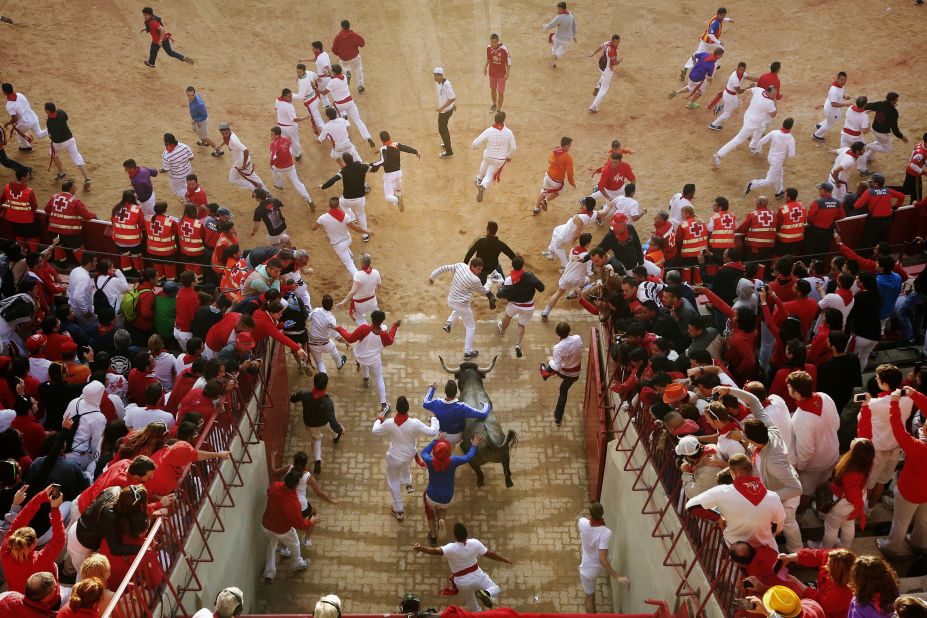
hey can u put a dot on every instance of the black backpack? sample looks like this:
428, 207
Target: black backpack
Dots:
99, 297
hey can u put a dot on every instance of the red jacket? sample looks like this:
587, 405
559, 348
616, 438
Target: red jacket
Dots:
265, 326
879, 202
870, 265
819, 350
116, 475
187, 303
835, 599
33, 434
217, 337
15, 605
182, 386
196, 401
613, 178
41, 559
84, 612
346, 44
283, 511
911, 480
138, 382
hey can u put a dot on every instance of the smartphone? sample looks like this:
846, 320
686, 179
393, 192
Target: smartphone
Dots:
748, 585
776, 567
859, 397
56, 491
742, 604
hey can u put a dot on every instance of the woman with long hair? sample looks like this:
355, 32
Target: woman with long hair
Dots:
849, 485
795, 360
97, 565
113, 437
128, 231
19, 553
116, 513
55, 395
148, 441
112, 282
85, 600
834, 566
875, 588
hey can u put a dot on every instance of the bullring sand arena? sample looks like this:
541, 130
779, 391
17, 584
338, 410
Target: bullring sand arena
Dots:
87, 57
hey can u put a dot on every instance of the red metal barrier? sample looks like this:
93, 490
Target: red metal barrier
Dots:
94, 234
595, 417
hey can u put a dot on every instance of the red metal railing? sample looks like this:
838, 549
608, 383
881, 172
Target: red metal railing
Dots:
148, 582
596, 410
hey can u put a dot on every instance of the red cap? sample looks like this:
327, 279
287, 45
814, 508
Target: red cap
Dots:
35, 342
68, 347
619, 219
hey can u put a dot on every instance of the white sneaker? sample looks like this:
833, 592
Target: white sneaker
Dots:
284, 552
717, 160
307, 542
301, 567
548, 254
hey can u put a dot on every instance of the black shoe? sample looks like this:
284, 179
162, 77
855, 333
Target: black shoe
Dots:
299, 158
492, 108
518, 352
337, 438
433, 540
780, 195
317, 468
483, 597
370, 141
344, 359
747, 190
471, 354
26, 149
447, 327
492, 300
366, 382
361, 89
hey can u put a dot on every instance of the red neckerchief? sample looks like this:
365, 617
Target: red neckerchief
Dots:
857, 109
846, 295
282, 99
317, 53
516, 275
751, 488
855, 155
558, 151
836, 84
786, 131
341, 76
337, 213
53, 114
883, 394
11, 97
733, 425
498, 125
813, 404
578, 250
225, 140
133, 173
318, 394
740, 74
389, 143
766, 94
170, 147
595, 523
710, 58
566, 12
367, 269
401, 417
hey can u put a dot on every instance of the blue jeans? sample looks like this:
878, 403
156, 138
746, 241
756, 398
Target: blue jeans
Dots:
909, 310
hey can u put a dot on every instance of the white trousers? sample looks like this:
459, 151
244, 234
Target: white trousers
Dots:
343, 251
864, 347
77, 552
398, 474
608, 195
488, 168
847, 140
374, 367
604, 82
749, 130
790, 526
468, 585
70, 147
882, 143
836, 522
463, 312
774, 176
290, 540
355, 67
550, 188
730, 103
182, 338
250, 181
179, 186
392, 186
315, 114
904, 514
831, 119
292, 132
36, 129
362, 311
148, 205
318, 353
558, 244
357, 205
289, 173
348, 148
349, 110
558, 48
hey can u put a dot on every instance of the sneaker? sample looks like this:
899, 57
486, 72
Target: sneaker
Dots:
717, 159
361, 89
447, 327
348, 75
479, 193
366, 382
499, 327
337, 438
817, 126
25, 149
536, 211
301, 567
385, 408
60, 177
188, 60
401, 204
714, 127
217, 153
780, 195
471, 354
365, 237
483, 597
442, 529
545, 313
148, 64
268, 581
344, 359
366, 188
87, 183
284, 552
492, 108
548, 254
446, 155
371, 142
298, 157
816, 138
317, 468
673, 94
307, 542
593, 110
682, 74
865, 173
518, 353
433, 540
718, 108
693, 105
572, 295
749, 187
410, 488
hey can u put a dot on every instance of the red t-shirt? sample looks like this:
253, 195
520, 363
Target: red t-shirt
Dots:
33, 434
498, 60
138, 382
198, 196
116, 475
154, 29
196, 401
171, 463
347, 44
280, 156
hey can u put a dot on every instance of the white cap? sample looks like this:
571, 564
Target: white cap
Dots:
438, 71
688, 446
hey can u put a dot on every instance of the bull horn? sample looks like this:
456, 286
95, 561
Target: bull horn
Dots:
488, 369
443, 366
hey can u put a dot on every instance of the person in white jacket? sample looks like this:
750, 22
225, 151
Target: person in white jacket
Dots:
500, 146
781, 145
85, 413
814, 433
112, 283
402, 431
778, 412
889, 378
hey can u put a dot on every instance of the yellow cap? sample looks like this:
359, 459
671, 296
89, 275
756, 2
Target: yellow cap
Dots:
783, 601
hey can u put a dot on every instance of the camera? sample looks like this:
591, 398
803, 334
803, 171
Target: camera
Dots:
859, 397
742, 604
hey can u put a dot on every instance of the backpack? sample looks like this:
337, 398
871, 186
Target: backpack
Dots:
16, 308
99, 297
129, 304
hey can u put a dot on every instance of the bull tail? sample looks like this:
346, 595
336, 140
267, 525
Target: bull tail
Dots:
511, 439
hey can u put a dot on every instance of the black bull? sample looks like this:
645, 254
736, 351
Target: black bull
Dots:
497, 444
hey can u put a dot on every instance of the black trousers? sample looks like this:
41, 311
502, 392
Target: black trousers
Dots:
817, 241
874, 232
443, 118
913, 186
5, 161
153, 54
562, 399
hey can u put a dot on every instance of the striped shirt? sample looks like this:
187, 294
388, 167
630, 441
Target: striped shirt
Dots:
321, 325
177, 162
464, 285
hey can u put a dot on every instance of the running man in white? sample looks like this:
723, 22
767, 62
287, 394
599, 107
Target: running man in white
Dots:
362, 298
402, 431
242, 173
595, 538
576, 273
287, 120
832, 104
730, 96
472, 583
22, 118
369, 340
709, 40
625, 204
336, 132
323, 69
307, 94
761, 110
846, 162
465, 283
563, 36
566, 234
855, 125
322, 324
608, 61
392, 172
500, 146
176, 161
341, 96
519, 289
282, 166
338, 224
781, 145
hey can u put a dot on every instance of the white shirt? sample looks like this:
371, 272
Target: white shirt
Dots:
182, 361
855, 121
138, 417
286, 113
569, 231
177, 162
336, 131
834, 95
337, 231
733, 83
366, 283
22, 110
462, 555
844, 162
780, 416
815, 436
238, 150
760, 109
203, 613
593, 539
445, 93
338, 89
323, 65
835, 301
165, 369
300, 490
745, 522
576, 271
321, 324
568, 356
500, 143
80, 291
114, 288
882, 437
402, 437
305, 89
781, 144
626, 205
464, 284
676, 204
38, 368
